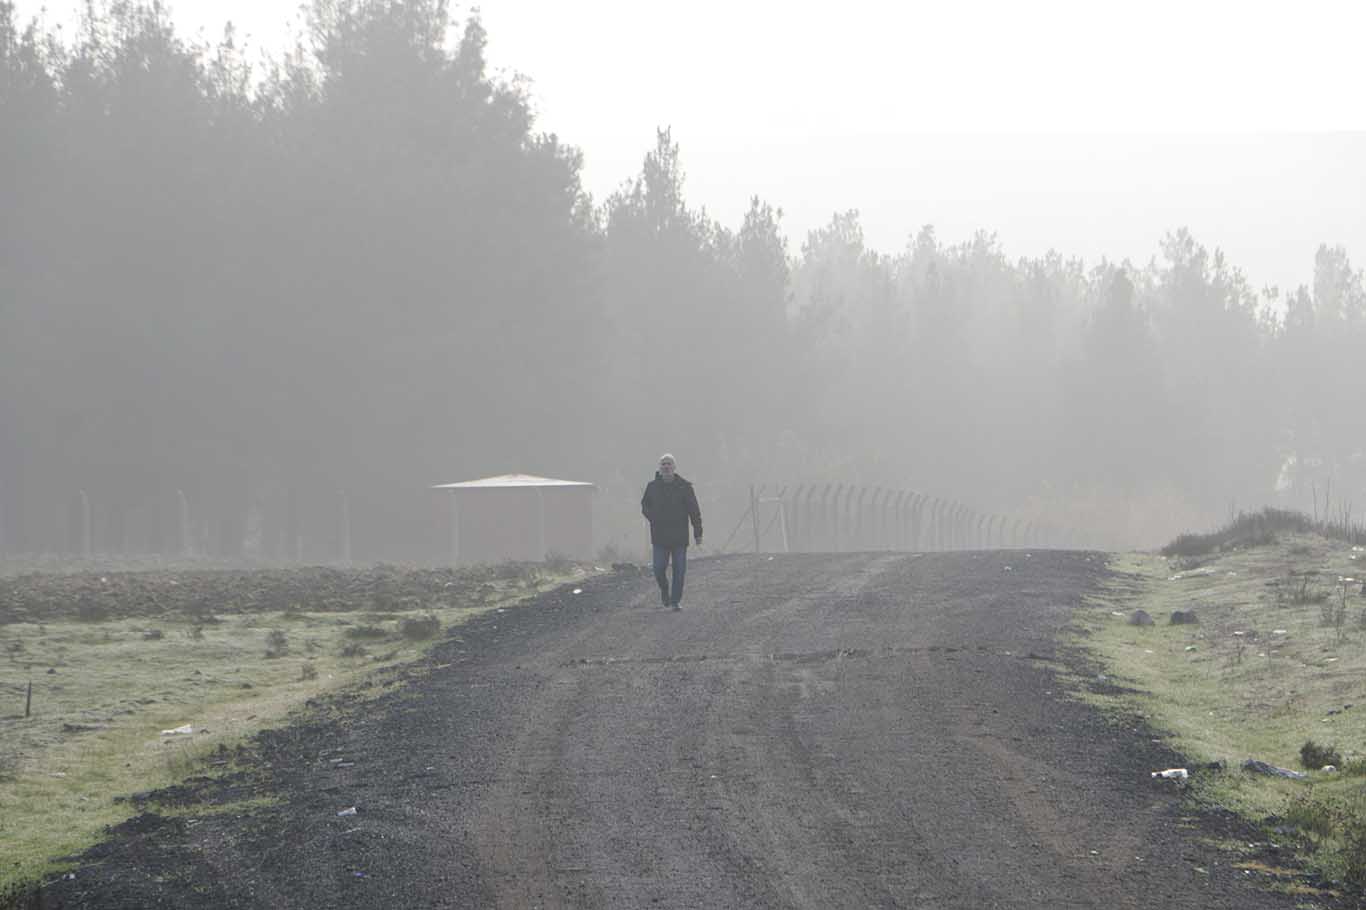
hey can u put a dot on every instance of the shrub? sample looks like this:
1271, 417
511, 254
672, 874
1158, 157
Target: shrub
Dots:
558, 562
1248, 529
366, 633
1253, 529
1315, 756
1354, 853
418, 628
92, 611
353, 649
307, 672
277, 644
1314, 816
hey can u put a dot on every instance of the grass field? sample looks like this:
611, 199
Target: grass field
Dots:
106, 685
1276, 660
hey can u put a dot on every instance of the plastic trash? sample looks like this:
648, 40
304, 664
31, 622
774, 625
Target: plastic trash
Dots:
577, 591
186, 730
344, 812
1172, 774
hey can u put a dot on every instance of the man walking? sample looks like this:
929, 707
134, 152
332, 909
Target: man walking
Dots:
668, 505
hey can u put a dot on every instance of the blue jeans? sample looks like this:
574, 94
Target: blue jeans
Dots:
679, 555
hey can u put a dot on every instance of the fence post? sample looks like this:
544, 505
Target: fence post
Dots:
782, 520
85, 525
835, 510
899, 522
884, 539
824, 511
754, 515
809, 521
870, 523
184, 505
346, 528
912, 504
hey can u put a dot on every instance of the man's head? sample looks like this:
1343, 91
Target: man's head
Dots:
667, 465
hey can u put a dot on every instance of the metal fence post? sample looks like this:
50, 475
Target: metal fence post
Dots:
346, 528
754, 515
85, 526
184, 505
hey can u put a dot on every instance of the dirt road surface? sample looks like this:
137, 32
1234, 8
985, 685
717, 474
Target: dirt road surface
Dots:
857, 730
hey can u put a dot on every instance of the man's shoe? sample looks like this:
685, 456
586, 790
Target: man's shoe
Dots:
664, 598
676, 605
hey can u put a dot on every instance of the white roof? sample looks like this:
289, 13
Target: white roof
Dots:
510, 480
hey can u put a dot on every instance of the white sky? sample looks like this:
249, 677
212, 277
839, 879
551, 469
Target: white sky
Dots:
1087, 127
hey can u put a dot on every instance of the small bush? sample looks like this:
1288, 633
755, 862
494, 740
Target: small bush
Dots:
1317, 817
366, 633
307, 672
1248, 529
195, 632
92, 611
353, 649
1303, 588
1354, 853
419, 628
1315, 756
1353, 767
9, 766
558, 562
277, 644
611, 553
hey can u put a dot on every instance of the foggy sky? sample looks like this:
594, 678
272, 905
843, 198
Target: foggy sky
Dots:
1058, 126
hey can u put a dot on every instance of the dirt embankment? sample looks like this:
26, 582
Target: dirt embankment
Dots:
97, 596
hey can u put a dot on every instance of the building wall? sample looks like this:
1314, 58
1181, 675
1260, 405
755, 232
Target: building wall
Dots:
501, 524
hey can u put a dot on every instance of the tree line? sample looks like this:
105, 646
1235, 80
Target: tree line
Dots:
360, 266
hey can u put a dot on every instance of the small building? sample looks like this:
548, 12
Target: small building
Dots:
519, 517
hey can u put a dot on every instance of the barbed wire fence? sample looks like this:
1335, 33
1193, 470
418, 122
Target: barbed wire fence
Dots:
838, 517
765, 518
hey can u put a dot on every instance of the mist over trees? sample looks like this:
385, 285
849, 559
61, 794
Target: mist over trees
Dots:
363, 269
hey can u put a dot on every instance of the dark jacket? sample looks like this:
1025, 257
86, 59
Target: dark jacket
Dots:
669, 507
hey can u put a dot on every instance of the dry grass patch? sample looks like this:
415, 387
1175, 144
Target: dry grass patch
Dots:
103, 692
1266, 670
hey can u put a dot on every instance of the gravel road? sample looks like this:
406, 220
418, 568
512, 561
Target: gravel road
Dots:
853, 730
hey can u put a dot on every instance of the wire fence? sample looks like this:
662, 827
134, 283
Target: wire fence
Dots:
835, 517
338, 529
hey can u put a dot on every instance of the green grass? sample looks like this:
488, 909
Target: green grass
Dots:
1267, 669
104, 691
